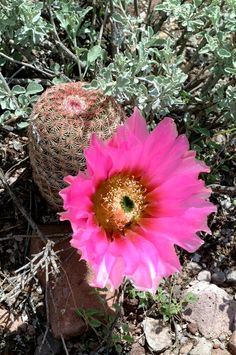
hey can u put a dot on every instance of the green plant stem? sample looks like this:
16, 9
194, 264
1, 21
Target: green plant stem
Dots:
103, 23
159, 24
136, 9
62, 46
114, 48
211, 82
190, 86
149, 13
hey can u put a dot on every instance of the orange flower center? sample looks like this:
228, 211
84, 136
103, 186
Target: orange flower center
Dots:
119, 203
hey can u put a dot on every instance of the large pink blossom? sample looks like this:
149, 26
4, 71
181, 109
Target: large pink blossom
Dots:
139, 197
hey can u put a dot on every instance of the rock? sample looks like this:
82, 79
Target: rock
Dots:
183, 340
214, 312
9, 322
231, 277
141, 340
186, 348
196, 257
203, 347
218, 278
220, 352
222, 346
168, 352
70, 290
193, 267
192, 328
137, 349
157, 334
204, 275
216, 344
232, 343
222, 336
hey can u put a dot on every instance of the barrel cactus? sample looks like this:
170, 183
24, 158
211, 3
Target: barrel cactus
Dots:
62, 122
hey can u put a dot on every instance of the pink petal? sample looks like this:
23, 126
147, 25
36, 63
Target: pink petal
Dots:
163, 252
92, 242
80, 189
126, 248
138, 125
117, 273
163, 165
102, 272
98, 159
134, 131
177, 194
161, 139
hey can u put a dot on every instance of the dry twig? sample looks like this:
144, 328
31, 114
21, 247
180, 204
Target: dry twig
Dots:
47, 72
22, 209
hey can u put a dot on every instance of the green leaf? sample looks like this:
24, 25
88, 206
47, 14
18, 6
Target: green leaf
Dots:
34, 88
59, 80
223, 53
203, 131
128, 338
230, 70
118, 348
94, 53
22, 125
95, 323
118, 18
197, 2
17, 89
212, 42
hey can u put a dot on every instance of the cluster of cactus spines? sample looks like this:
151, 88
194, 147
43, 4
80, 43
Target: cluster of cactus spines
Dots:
61, 125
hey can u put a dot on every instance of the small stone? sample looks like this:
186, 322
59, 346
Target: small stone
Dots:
196, 257
214, 311
193, 267
204, 346
204, 275
228, 204
222, 346
186, 348
220, 352
157, 334
142, 340
8, 323
183, 340
137, 349
216, 344
232, 343
231, 277
222, 337
218, 278
192, 328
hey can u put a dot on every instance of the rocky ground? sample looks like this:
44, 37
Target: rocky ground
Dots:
37, 317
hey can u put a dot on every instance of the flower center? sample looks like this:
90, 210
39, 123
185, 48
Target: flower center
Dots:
74, 104
119, 203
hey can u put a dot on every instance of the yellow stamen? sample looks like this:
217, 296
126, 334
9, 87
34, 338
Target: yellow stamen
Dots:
119, 203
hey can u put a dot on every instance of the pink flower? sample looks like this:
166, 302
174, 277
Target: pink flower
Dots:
139, 197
